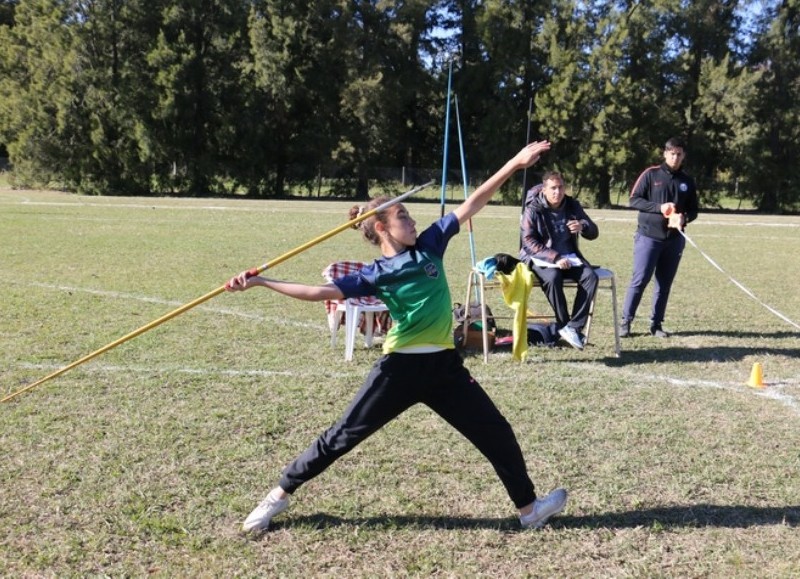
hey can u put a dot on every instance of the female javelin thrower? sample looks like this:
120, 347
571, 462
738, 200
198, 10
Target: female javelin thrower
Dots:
419, 363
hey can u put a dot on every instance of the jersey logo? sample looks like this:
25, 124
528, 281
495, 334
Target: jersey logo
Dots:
683, 187
431, 270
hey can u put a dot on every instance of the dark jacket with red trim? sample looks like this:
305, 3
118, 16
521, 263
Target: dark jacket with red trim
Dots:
654, 187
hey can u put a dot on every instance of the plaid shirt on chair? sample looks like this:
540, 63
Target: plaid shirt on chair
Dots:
341, 268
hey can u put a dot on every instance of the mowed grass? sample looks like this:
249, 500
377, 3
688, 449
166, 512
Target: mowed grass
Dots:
145, 460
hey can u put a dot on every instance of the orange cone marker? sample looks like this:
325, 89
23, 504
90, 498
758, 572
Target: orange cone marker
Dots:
756, 376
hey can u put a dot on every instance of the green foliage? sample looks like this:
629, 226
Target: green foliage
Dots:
292, 105
261, 98
7, 9
726, 108
117, 94
591, 101
196, 85
36, 58
774, 182
512, 69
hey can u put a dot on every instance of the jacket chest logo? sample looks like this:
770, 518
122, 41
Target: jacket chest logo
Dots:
431, 270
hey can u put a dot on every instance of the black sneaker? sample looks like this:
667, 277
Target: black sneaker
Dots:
625, 330
658, 332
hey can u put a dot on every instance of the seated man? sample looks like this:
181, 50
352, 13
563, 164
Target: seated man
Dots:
550, 226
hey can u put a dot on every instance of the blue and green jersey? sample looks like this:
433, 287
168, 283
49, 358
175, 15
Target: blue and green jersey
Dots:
413, 286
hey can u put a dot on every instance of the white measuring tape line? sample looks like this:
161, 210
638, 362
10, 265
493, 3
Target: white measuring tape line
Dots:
737, 284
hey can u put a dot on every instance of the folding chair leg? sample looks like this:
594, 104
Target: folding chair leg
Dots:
588, 325
613, 288
467, 312
470, 281
484, 320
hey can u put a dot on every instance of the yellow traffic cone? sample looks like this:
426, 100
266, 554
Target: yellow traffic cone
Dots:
756, 376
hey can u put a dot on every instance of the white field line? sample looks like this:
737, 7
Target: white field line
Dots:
772, 391
630, 216
160, 301
184, 370
243, 206
105, 368
706, 222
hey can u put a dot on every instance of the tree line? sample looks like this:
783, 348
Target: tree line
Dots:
265, 97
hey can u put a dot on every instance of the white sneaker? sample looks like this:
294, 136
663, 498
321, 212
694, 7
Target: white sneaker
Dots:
571, 336
259, 519
545, 508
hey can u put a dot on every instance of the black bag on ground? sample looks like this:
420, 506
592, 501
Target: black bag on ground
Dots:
543, 334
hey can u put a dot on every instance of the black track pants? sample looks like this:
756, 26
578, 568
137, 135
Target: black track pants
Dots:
438, 380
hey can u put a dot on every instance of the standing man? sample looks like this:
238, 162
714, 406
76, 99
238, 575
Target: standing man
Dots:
550, 228
666, 198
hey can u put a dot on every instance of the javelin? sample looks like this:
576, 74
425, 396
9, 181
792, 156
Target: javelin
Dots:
250, 273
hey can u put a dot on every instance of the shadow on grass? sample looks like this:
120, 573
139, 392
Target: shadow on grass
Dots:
736, 335
692, 516
668, 354
702, 515
711, 354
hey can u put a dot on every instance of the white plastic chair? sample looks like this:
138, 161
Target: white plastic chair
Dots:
352, 309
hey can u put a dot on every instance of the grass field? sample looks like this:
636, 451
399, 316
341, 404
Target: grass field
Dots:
146, 460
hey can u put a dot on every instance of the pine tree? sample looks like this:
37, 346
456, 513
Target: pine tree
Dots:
114, 96
7, 9
724, 113
36, 57
513, 69
773, 181
196, 87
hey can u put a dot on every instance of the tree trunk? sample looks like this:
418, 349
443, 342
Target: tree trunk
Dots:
603, 196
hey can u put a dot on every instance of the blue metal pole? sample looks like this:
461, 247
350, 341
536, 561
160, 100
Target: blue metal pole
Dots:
446, 139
